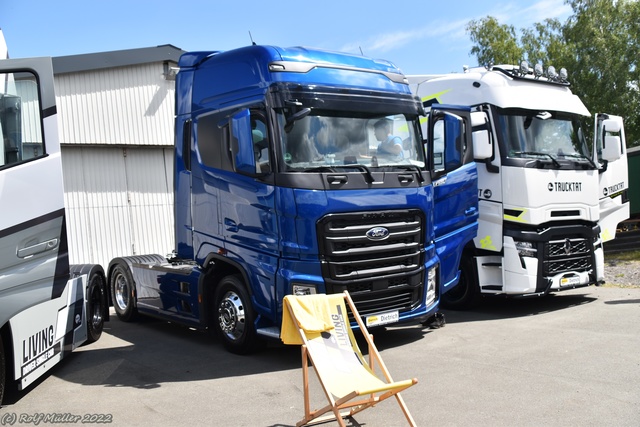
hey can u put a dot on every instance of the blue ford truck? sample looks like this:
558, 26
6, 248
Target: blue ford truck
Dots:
304, 171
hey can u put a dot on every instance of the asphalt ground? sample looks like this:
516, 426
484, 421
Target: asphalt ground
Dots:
570, 359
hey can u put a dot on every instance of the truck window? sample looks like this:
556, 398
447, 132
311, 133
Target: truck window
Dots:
260, 135
447, 158
209, 140
20, 121
438, 145
325, 138
213, 150
532, 134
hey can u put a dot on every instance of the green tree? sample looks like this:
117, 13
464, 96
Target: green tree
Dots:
599, 45
604, 38
544, 43
494, 43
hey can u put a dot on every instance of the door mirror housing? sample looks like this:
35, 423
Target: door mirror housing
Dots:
243, 155
482, 146
612, 146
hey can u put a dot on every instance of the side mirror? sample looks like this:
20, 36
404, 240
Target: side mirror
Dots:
610, 125
482, 147
298, 115
243, 155
611, 147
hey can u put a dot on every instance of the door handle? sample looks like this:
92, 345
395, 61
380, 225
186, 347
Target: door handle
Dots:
37, 248
405, 178
470, 211
337, 179
231, 225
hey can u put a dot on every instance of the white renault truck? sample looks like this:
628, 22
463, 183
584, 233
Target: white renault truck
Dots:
548, 199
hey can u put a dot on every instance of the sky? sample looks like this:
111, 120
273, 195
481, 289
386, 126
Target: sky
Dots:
421, 37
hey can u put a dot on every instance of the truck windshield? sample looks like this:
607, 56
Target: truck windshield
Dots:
326, 139
543, 135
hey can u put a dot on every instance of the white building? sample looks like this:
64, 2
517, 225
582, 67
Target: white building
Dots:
116, 114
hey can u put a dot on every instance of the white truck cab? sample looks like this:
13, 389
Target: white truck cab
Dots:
548, 199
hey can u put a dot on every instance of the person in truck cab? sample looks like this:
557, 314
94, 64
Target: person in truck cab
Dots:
390, 146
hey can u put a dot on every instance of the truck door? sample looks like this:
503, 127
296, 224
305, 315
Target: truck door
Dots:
247, 209
33, 248
455, 181
610, 153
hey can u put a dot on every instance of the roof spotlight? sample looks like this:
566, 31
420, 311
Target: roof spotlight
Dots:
551, 72
524, 67
563, 73
537, 70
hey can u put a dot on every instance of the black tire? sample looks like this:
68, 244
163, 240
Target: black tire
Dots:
436, 321
123, 293
233, 317
466, 294
96, 307
3, 367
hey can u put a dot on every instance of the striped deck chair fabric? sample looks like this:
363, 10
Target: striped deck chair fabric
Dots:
320, 324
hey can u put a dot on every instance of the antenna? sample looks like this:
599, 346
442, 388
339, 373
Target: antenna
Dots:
361, 52
252, 42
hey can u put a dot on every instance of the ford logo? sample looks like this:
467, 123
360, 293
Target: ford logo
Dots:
377, 233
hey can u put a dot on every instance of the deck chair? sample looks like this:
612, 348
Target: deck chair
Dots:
320, 324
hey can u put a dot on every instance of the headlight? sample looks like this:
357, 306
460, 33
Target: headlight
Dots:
597, 242
297, 289
432, 283
526, 249
431, 276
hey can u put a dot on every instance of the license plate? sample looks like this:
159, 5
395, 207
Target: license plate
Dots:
382, 318
570, 281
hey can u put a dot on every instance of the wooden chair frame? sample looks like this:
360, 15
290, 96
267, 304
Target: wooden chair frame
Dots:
357, 399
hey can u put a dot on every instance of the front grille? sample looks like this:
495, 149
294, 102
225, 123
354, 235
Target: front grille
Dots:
382, 272
568, 255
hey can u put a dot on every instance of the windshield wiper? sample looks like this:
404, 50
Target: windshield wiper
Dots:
581, 156
362, 168
320, 169
412, 168
538, 153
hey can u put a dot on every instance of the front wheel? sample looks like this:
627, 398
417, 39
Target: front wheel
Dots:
466, 294
96, 307
234, 317
123, 293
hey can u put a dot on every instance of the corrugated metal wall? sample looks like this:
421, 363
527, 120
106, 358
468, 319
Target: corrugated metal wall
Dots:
128, 105
119, 202
116, 129
28, 90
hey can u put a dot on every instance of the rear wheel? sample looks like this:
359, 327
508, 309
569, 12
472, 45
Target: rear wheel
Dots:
234, 317
466, 294
123, 293
96, 307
